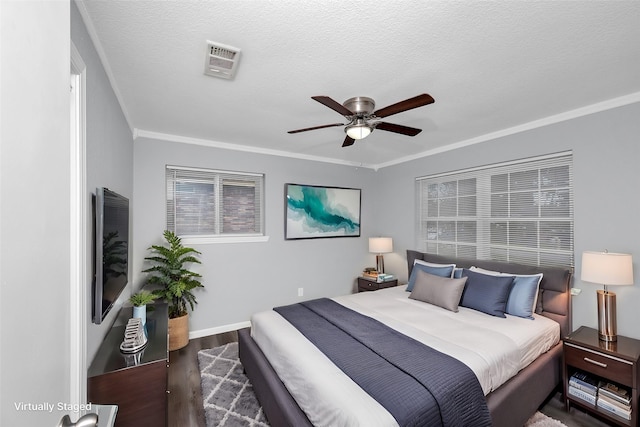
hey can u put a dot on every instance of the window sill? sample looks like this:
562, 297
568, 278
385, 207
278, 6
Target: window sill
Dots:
192, 240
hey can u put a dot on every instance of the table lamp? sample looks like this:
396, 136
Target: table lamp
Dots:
607, 268
379, 246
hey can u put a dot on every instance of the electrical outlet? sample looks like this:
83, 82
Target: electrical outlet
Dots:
300, 292
575, 291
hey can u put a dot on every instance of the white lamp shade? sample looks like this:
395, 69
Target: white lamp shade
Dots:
380, 245
607, 268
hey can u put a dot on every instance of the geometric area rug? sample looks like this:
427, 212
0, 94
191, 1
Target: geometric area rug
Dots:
227, 394
229, 400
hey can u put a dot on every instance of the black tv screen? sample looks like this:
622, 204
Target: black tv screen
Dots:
111, 261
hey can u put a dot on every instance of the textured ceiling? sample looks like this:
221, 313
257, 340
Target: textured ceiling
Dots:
492, 67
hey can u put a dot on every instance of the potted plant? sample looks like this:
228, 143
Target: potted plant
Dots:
140, 301
176, 283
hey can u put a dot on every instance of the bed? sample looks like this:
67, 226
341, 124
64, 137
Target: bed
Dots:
510, 404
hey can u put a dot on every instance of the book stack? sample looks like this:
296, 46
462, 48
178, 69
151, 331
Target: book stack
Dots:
382, 277
583, 387
614, 399
370, 273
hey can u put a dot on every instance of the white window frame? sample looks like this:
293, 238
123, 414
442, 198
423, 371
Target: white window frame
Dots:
216, 178
457, 220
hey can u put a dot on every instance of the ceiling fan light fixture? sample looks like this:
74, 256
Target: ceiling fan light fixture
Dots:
362, 119
359, 130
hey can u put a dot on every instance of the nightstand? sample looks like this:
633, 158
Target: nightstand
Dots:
615, 362
365, 284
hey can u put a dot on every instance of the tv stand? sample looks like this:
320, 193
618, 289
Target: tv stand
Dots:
136, 382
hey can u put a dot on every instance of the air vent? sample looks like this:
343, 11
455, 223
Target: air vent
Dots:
221, 60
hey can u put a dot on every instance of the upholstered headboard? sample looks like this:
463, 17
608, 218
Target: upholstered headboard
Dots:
555, 287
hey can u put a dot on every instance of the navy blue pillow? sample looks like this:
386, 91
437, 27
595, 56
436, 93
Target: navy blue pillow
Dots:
488, 294
442, 270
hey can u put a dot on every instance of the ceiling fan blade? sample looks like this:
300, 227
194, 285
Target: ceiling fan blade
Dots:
348, 141
334, 105
407, 104
316, 127
391, 127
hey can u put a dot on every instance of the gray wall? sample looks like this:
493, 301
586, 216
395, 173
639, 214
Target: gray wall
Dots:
109, 156
242, 278
606, 175
34, 210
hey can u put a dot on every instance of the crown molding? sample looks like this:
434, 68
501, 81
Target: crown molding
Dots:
558, 118
141, 133
93, 35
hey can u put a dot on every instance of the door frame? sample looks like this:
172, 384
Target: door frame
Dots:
78, 232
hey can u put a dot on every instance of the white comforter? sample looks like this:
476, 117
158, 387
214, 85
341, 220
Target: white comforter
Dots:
494, 348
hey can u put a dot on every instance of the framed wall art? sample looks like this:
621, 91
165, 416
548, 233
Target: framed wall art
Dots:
313, 211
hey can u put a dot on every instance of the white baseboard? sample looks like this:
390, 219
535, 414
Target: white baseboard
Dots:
218, 330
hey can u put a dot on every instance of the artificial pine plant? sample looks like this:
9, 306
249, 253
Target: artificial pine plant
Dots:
142, 298
169, 271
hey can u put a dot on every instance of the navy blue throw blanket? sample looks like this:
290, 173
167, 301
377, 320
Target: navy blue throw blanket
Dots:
418, 385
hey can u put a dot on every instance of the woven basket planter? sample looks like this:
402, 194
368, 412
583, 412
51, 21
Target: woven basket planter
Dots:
178, 332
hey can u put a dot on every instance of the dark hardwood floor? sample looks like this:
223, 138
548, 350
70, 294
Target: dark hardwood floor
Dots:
185, 399
554, 408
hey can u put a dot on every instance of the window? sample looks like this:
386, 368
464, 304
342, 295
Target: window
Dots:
520, 211
211, 203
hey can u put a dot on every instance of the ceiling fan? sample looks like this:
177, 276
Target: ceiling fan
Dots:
362, 119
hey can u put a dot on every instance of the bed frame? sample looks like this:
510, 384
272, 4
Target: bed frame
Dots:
510, 405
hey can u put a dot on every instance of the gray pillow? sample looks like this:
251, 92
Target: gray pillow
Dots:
441, 291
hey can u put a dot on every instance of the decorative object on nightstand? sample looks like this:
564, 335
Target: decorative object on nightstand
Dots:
607, 268
602, 376
379, 246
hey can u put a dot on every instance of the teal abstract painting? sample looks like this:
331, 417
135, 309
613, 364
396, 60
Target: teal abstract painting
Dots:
314, 211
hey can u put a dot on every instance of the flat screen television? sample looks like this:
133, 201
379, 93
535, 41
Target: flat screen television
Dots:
111, 260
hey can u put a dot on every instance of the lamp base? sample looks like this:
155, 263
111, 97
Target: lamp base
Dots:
607, 328
379, 263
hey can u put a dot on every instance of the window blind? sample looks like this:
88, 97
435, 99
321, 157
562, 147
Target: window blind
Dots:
203, 202
520, 211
